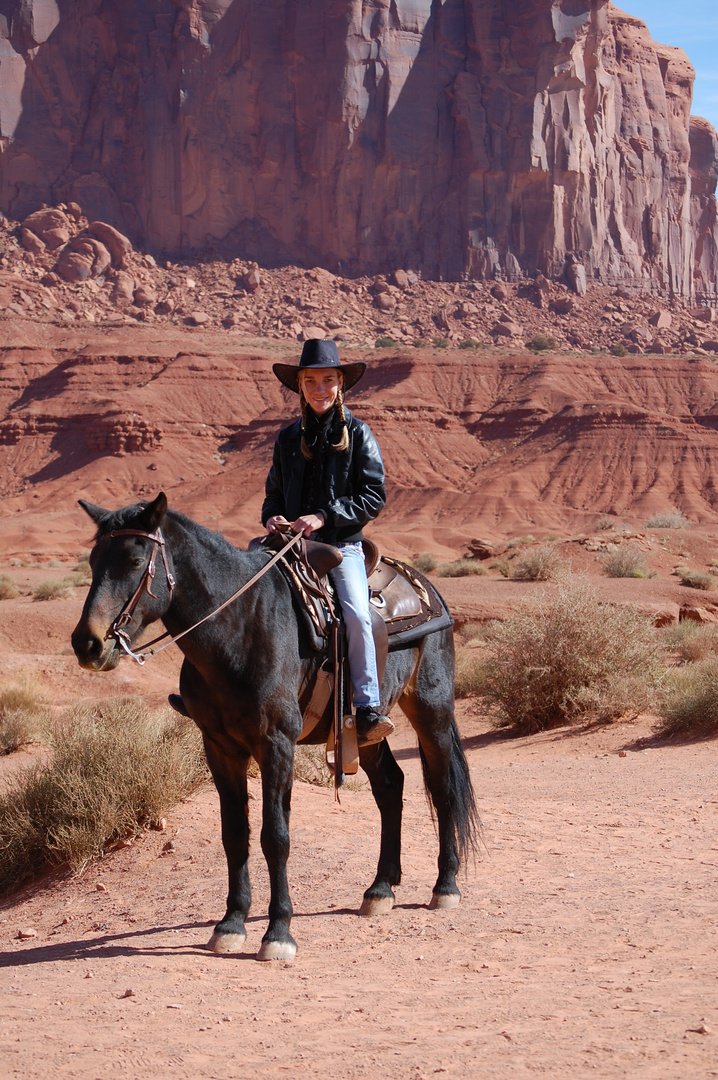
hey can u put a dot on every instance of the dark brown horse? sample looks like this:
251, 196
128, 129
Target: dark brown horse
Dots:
245, 679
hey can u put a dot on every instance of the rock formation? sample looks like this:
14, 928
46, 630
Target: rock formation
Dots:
454, 137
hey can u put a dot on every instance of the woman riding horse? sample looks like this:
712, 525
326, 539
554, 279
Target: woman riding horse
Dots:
327, 480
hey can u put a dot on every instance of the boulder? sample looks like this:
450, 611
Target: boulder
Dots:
51, 226
123, 292
385, 301
698, 614
562, 305
145, 296
116, 243
481, 549
251, 280
83, 258
400, 279
506, 329
662, 320
31, 242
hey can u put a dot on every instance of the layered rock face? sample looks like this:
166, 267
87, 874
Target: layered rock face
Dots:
452, 137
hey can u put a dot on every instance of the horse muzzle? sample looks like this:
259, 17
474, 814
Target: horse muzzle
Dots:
92, 651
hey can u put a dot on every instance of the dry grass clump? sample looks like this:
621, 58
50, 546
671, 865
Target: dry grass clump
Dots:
22, 715
673, 519
114, 768
52, 589
691, 706
624, 561
426, 562
695, 579
540, 564
568, 659
469, 673
692, 641
8, 588
462, 568
607, 523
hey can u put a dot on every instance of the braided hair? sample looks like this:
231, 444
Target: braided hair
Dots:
343, 444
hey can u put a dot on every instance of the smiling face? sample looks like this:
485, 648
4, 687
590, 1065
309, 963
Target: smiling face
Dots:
320, 387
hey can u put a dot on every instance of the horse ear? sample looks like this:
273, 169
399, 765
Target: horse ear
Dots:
154, 512
95, 512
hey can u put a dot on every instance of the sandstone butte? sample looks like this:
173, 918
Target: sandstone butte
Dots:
468, 137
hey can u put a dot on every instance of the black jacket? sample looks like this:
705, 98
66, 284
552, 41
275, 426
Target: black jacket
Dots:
353, 483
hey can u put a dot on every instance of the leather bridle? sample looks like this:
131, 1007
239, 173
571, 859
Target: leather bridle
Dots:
117, 630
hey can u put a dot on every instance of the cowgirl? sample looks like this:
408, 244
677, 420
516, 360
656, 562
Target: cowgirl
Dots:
327, 480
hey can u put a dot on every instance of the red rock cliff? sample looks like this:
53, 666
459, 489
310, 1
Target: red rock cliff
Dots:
452, 136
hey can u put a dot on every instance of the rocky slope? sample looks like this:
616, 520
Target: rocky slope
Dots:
483, 442
468, 137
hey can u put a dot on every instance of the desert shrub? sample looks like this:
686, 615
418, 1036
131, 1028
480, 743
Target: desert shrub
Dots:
618, 350
51, 590
440, 342
540, 564
672, 519
426, 562
477, 631
624, 561
22, 707
310, 766
502, 565
567, 659
605, 523
469, 673
540, 343
384, 343
691, 705
519, 541
695, 579
114, 768
419, 343
692, 641
8, 588
469, 343
462, 568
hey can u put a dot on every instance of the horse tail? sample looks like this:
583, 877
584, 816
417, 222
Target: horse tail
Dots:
460, 799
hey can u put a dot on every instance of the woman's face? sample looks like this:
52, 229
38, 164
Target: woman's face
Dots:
320, 387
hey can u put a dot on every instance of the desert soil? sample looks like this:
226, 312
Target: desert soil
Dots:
585, 944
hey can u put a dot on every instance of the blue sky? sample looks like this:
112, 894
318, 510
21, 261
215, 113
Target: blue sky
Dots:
692, 25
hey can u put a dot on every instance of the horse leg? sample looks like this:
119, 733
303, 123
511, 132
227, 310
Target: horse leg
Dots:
230, 778
387, 785
277, 767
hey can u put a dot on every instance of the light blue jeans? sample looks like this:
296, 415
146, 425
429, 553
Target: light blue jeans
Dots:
352, 589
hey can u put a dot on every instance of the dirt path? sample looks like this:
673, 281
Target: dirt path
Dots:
585, 945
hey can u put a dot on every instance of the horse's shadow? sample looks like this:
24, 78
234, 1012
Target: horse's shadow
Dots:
108, 947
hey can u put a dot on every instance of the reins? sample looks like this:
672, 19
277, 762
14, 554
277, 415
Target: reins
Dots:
117, 629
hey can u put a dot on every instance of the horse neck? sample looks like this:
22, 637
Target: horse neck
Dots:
206, 567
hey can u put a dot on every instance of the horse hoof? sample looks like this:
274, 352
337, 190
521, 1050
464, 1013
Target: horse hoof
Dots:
277, 950
444, 901
376, 905
226, 944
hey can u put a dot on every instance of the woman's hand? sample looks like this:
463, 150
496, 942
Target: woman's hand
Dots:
275, 523
308, 523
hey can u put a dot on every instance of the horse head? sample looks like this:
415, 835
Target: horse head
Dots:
126, 594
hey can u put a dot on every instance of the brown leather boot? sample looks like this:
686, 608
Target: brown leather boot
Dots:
372, 725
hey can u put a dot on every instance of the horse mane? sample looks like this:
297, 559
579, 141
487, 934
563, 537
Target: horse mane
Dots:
127, 518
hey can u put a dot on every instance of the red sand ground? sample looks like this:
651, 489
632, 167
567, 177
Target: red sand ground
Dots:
585, 944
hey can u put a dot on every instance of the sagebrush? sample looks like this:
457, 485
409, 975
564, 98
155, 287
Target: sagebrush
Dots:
692, 641
691, 706
462, 568
113, 768
695, 579
541, 563
568, 658
624, 561
671, 519
22, 715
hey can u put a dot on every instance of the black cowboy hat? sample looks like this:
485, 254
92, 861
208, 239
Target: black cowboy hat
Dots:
319, 353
